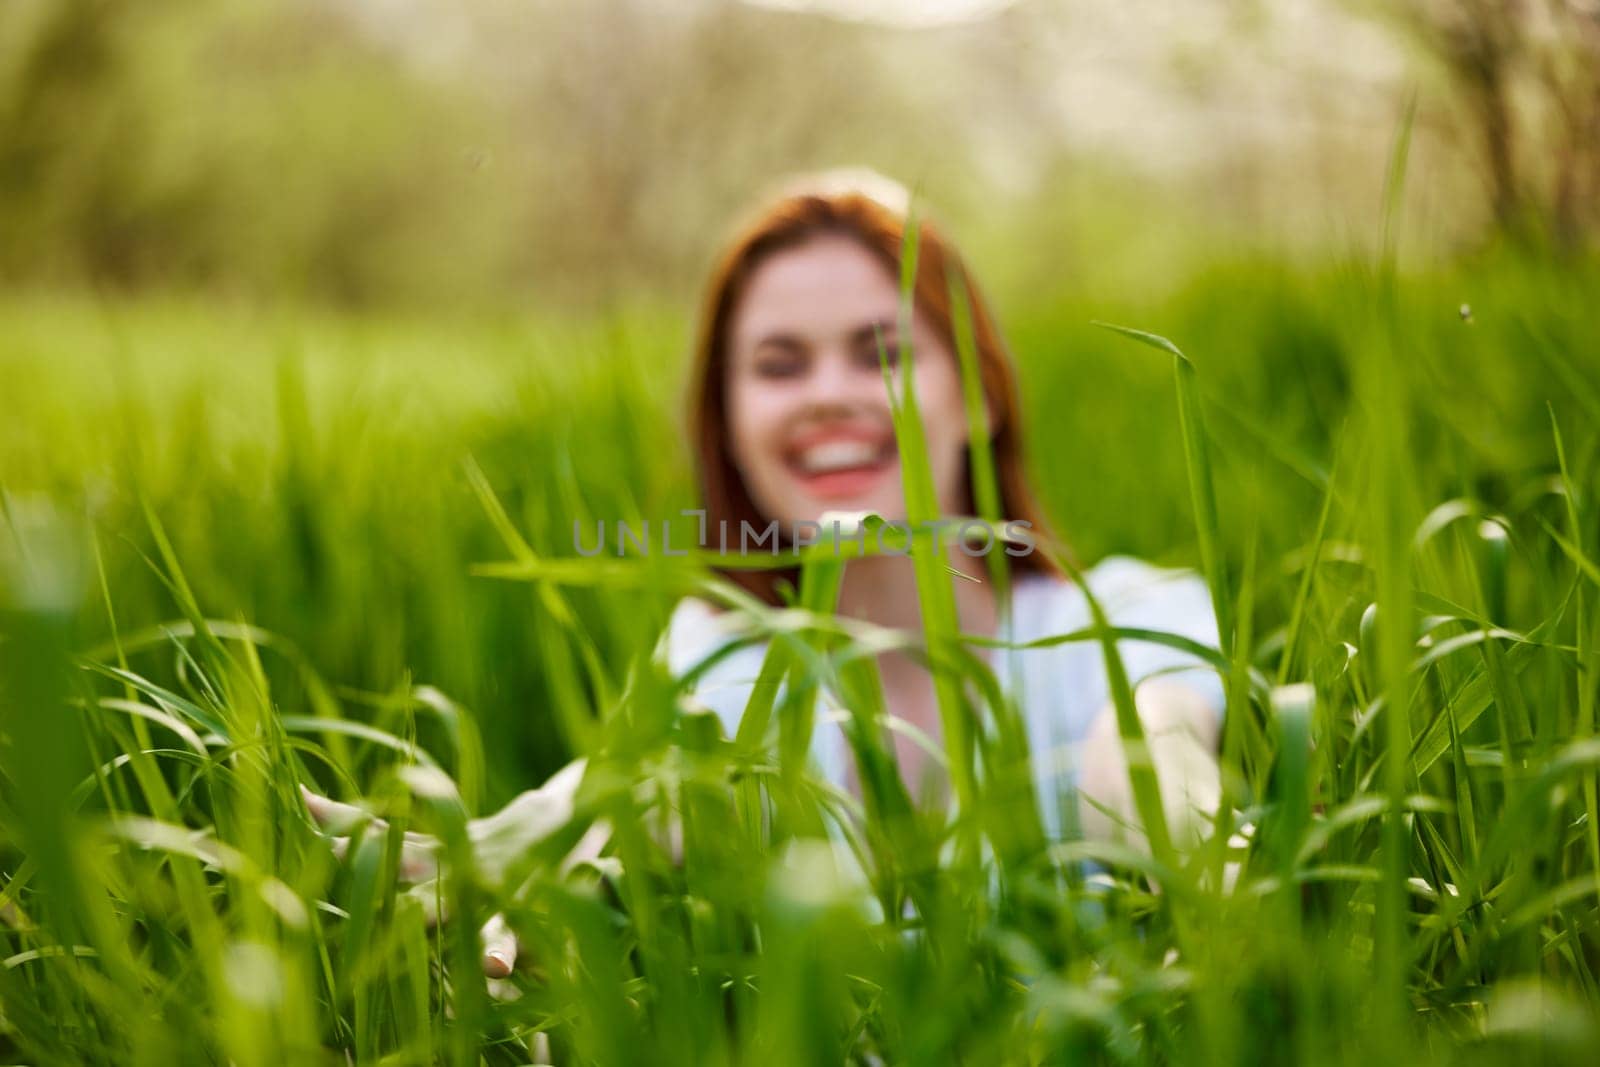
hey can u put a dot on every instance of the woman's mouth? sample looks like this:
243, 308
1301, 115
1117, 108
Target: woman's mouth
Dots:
842, 468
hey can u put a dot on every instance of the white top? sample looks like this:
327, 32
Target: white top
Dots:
1062, 686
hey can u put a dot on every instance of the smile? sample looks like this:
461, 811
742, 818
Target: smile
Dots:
840, 468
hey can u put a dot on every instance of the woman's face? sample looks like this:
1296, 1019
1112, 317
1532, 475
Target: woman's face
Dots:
808, 413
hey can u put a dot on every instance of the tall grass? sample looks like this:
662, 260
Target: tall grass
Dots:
325, 555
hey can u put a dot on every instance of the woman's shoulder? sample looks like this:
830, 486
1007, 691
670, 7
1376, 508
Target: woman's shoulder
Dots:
1138, 595
1129, 578
1119, 582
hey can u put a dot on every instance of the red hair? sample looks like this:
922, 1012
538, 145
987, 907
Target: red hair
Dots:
872, 210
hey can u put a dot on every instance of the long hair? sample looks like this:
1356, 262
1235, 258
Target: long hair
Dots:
870, 209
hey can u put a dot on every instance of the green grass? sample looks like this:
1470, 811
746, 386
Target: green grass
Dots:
248, 551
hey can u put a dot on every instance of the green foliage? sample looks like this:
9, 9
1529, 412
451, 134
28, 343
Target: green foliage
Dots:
245, 553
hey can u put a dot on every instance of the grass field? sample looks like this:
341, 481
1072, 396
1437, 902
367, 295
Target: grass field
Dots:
247, 550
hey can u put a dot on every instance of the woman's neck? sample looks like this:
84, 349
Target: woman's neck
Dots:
883, 590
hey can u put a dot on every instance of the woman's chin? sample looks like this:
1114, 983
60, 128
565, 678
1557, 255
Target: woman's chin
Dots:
825, 510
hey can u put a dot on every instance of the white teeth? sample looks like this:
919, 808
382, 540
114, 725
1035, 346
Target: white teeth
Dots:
837, 455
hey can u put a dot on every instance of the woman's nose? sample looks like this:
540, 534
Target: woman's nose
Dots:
838, 376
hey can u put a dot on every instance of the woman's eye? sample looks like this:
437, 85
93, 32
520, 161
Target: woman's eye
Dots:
891, 356
779, 367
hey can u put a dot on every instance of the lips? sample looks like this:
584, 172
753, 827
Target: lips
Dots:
830, 456
841, 464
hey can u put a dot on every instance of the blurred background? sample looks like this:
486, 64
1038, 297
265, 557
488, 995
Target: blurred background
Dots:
280, 270
496, 153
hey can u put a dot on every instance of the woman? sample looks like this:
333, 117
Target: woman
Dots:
790, 419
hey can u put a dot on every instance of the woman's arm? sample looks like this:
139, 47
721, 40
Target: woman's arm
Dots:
1180, 729
497, 841
1179, 698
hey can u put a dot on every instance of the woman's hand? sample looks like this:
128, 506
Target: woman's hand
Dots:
1180, 728
497, 841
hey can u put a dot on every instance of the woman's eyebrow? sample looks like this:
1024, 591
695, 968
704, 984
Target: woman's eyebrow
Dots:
787, 341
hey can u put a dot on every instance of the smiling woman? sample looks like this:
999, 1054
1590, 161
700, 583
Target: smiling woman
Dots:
791, 418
